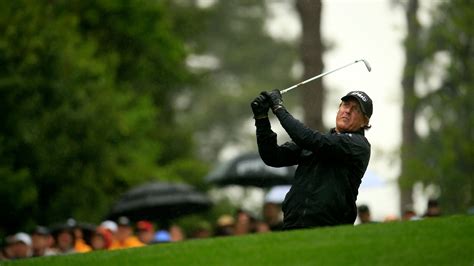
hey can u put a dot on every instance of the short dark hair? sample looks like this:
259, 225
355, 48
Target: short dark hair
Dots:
368, 126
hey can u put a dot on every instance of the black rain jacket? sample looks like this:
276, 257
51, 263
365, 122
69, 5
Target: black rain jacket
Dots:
328, 176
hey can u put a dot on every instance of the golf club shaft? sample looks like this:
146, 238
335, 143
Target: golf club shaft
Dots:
324, 74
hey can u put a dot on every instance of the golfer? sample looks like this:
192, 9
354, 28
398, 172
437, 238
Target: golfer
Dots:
330, 166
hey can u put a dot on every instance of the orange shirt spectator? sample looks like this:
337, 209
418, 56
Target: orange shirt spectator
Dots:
146, 231
80, 246
124, 237
129, 242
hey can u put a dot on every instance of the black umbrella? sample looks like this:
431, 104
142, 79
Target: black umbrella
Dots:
250, 170
160, 201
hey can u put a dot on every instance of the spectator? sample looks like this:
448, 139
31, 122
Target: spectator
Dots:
273, 216
162, 236
7, 252
65, 240
364, 214
40, 238
433, 209
101, 239
245, 223
225, 225
409, 214
390, 218
22, 246
80, 244
51, 243
261, 227
124, 237
111, 226
176, 233
146, 232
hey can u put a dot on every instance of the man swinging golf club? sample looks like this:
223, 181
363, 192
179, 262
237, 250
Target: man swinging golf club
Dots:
330, 166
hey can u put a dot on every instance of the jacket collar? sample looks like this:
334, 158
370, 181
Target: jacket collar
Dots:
360, 131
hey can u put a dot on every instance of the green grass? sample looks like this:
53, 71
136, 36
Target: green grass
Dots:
440, 241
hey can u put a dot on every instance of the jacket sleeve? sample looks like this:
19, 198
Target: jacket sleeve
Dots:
342, 146
271, 153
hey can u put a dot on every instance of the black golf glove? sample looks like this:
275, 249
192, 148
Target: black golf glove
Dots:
260, 107
275, 99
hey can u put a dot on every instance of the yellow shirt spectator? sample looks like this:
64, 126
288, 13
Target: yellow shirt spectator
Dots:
129, 242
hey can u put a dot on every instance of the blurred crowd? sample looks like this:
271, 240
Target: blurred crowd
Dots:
73, 237
408, 214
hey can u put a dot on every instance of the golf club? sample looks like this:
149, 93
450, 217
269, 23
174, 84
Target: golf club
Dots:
326, 73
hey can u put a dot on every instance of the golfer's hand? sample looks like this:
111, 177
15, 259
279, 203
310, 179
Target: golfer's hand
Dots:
275, 99
260, 107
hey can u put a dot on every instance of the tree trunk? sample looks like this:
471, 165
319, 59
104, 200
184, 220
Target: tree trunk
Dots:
409, 136
312, 94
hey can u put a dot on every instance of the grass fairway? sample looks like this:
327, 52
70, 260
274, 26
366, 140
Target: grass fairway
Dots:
440, 241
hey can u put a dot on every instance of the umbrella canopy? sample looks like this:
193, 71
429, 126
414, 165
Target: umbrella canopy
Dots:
250, 170
160, 200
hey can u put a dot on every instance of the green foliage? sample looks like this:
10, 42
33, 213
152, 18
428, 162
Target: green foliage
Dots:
445, 156
247, 60
17, 195
149, 58
85, 98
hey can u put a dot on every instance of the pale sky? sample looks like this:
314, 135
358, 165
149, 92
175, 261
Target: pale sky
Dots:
374, 31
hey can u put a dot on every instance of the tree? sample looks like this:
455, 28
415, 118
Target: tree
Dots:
311, 50
410, 101
149, 57
237, 59
444, 154
86, 91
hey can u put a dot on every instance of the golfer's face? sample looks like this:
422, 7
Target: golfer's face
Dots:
349, 116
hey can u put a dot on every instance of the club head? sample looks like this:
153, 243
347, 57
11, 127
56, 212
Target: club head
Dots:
366, 64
